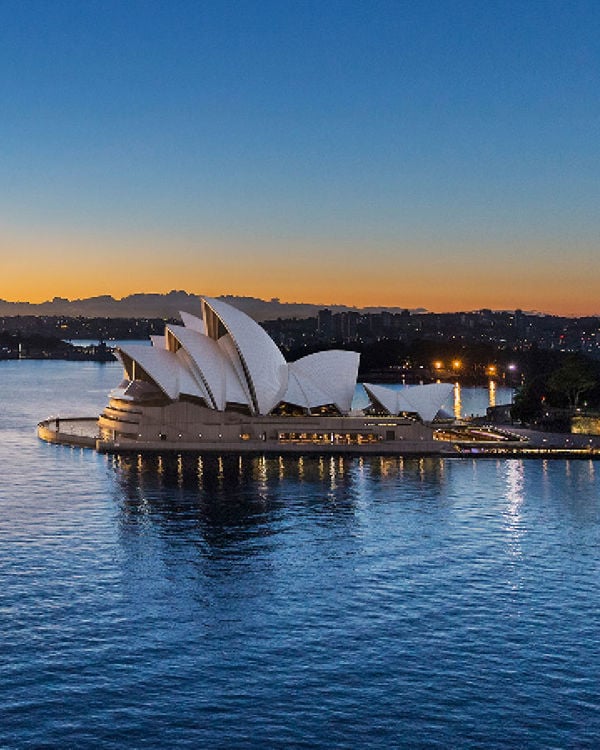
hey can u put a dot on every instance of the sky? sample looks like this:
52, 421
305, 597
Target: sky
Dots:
430, 154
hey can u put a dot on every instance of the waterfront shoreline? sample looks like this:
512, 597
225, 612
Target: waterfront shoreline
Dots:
82, 432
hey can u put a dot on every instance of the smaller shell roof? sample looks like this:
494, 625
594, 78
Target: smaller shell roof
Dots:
425, 400
163, 367
327, 377
428, 399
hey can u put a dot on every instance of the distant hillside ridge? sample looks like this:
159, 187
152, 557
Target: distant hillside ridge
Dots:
168, 306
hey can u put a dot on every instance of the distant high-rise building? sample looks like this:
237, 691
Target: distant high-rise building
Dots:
325, 324
349, 321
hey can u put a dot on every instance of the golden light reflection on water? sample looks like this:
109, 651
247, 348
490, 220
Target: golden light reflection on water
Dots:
492, 392
457, 401
332, 473
262, 477
179, 470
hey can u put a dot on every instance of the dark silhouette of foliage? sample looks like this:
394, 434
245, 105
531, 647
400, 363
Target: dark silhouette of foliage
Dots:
572, 379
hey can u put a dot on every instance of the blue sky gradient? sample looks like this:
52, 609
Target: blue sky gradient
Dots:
257, 147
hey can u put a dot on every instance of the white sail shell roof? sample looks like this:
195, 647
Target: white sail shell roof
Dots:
428, 399
236, 387
208, 361
264, 365
164, 368
226, 358
325, 378
160, 342
424, 400
192, 322
305, 393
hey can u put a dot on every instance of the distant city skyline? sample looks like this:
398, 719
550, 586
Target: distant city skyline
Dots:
442, 155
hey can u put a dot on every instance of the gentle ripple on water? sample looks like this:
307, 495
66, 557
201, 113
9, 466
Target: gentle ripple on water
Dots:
299, 602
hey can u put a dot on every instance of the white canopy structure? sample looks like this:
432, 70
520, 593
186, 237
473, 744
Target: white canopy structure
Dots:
226, 359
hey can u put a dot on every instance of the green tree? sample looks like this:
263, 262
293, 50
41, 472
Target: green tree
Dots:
572, 379
527, 406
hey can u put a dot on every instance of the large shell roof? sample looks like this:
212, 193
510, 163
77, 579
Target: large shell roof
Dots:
262, 362
226, 358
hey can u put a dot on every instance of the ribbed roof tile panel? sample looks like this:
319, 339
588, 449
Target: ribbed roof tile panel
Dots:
208, 359
294, 394
264, 365
428, 399
192, 322
302, 391
332, 373
236, 389
190, 382
387, 397
162, 366
424, 400
159, 342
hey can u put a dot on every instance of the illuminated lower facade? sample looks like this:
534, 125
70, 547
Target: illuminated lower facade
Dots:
183, 425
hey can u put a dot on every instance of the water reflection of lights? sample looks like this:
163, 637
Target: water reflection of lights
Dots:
492, 392
332, 473
514, 502
262, 475
457, 401
179, 470
200, 471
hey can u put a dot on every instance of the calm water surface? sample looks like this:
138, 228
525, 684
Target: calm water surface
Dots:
288, 603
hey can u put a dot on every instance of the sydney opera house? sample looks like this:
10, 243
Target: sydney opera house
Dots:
220, 382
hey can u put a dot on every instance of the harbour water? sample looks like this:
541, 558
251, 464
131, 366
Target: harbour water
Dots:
188, 602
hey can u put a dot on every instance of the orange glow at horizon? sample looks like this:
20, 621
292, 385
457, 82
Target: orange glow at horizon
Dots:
36, 269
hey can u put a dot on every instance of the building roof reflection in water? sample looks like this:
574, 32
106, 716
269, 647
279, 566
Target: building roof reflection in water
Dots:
221, 501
